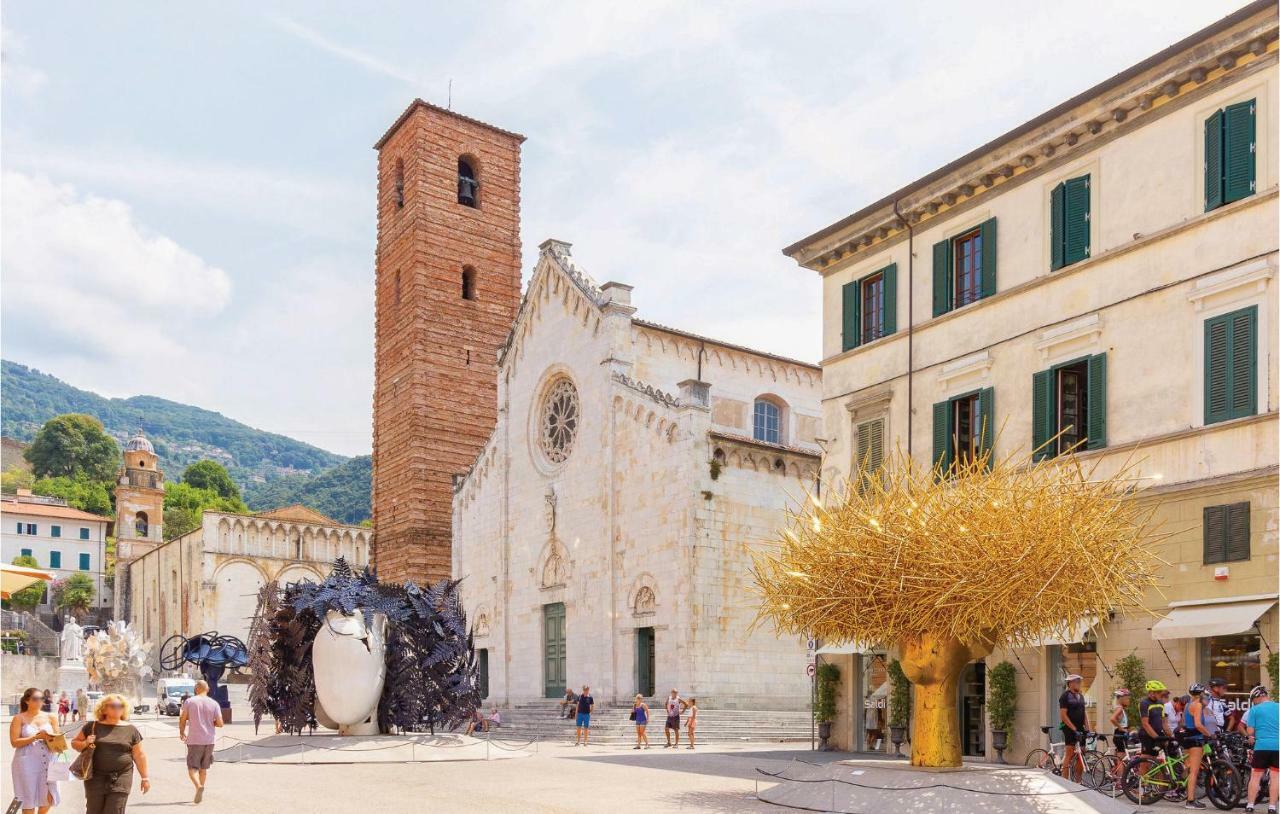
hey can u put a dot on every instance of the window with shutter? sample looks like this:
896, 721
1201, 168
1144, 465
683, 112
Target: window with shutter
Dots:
986, 422
1239, 151
1213, 161
964, 268
849, 317
890, 304
1057, 206
1230, 365
870, 448
942, 436
1042, 388
987, 231
1226, 533
1069, 404
872, 324
941, 277
1069, 222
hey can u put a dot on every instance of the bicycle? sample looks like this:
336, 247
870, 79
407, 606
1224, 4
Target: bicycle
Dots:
1094, 766
1165, 777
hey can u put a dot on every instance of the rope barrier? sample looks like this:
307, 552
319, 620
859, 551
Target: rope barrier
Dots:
779, 776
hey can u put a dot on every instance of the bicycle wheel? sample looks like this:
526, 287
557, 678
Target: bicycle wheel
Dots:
1103, 771
1149, 786
1223, 785
1040, 759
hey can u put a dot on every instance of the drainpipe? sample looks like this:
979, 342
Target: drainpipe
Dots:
911, 323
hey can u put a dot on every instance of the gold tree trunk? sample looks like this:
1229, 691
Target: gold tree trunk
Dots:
933, 665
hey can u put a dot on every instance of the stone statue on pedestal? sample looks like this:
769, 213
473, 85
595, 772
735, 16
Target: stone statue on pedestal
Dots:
72, 640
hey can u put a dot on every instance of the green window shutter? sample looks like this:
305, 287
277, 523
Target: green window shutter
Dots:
850, 318
1239, 151
870, 448
1041, 415
942, 435
1216, 369
889, 304
1076, 220
1244, 366
941, 277
1215, 534
987, 415
1096, 402
988, 233
1213, 161
1237, 546
1057, 208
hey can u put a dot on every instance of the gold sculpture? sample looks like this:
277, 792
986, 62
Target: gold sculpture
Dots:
947, 566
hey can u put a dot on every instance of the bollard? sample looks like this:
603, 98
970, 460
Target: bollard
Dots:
413, 750
302, 755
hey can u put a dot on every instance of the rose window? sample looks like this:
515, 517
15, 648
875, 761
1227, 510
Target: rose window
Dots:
559, 424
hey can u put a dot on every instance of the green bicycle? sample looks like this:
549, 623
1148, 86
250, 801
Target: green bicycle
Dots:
1148, 779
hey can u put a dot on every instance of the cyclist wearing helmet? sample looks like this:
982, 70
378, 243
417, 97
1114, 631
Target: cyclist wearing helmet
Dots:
1075, 726
1120, 718
1262, 721
1216, 720
1193, 720
1151, 709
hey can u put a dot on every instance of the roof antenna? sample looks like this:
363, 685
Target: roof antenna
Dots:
450, 104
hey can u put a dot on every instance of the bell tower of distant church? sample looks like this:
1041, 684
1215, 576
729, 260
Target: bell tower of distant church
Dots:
447, 277
139, 512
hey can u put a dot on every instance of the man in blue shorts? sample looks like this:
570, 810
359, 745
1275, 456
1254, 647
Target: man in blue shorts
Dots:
1262, 721
583, 722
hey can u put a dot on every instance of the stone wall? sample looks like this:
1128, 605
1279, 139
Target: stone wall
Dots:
19, 672
435, 361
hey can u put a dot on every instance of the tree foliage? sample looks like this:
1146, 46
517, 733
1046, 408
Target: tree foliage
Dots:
899, 695
80, 492
28, 597
1002, 698
14, 479
74, 593
184, 504
73, 445
1131, 671
213, 476
340, 492
824, 705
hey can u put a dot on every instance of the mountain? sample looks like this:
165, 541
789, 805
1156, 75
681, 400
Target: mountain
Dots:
341, 492
183, 434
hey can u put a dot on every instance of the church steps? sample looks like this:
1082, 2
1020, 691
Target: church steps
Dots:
612, 724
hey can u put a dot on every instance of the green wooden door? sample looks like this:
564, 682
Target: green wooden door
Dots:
645, 679
553, 650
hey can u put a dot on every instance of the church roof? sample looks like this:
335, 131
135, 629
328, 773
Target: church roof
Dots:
417, 103
298, 513
139, 443
15, 506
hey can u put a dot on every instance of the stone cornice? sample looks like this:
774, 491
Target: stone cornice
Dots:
1113, 111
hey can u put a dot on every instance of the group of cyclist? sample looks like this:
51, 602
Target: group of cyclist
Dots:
1189, 722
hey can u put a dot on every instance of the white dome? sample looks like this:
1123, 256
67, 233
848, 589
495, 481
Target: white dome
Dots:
139, 443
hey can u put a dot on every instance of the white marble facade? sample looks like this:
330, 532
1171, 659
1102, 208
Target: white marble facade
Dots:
623, 484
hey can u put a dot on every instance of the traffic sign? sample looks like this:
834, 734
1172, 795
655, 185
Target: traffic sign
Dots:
810, 669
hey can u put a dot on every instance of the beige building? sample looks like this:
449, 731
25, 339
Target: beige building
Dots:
602, 533
209, 578
1106, 270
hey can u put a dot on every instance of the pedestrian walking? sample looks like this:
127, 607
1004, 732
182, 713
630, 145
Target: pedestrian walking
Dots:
674, 707
640, 714
64, 708
1262, 722
117, 748
47, 704
692, 726
583, 721
30, 733
82, 705
198, 722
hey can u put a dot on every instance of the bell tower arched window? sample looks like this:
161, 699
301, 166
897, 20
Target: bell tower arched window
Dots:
468, 182
468, 283
140, 524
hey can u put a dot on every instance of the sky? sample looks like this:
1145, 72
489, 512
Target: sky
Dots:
187, 192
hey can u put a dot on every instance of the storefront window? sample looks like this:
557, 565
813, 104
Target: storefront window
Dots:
1236, 659
873, 724
1079, 658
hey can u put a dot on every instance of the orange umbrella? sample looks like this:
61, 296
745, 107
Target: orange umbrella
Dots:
14, 578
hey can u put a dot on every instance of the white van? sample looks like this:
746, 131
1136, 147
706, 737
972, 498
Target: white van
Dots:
169, 692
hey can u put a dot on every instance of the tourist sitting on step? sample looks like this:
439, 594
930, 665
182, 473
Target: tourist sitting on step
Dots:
569, 704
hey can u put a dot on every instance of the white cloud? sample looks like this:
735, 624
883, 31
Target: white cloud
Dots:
81, 275
19, 75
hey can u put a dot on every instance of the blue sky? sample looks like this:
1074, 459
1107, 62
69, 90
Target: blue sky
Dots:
188, 191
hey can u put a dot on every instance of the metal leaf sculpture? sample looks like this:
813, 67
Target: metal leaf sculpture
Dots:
945, 566
431, 667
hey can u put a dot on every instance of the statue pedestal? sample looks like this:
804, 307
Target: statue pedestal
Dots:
72, 676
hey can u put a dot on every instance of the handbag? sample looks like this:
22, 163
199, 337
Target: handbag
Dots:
82, 766
633, 715
59, 768
58, 743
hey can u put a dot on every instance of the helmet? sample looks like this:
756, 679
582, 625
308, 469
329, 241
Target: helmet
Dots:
1196, 689
1256, 691
1123, 692
1217, 682
1074, 677
1155, 686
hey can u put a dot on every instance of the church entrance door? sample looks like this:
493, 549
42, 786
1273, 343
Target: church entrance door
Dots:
645, 678
553, 650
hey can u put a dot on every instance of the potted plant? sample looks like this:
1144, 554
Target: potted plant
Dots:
1002, 701
824, 707
899, 707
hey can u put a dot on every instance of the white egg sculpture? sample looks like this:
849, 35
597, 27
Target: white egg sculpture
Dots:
349, 662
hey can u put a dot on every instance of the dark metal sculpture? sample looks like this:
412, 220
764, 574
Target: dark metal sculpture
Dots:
212, 653
430, 656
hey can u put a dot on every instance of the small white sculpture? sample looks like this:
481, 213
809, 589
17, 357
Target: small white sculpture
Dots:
72, 646
349, 661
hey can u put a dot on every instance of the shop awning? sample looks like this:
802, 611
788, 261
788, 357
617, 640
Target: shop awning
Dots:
1075, 634
1220, 619
14, 578
844, 649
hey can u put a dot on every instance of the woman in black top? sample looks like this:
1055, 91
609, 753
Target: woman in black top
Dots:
117, 748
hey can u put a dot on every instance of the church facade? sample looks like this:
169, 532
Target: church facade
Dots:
603, 532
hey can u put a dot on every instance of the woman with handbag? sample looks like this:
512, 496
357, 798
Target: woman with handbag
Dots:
32, 733
640, 714
109, 748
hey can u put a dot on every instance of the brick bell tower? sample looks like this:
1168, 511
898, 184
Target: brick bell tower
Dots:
447, 289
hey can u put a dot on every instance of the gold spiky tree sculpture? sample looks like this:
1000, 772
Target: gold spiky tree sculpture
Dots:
946, 566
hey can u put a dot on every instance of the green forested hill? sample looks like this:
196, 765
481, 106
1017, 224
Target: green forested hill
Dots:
183, 434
